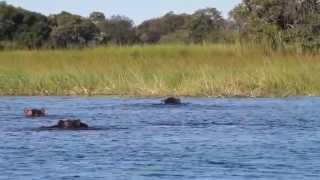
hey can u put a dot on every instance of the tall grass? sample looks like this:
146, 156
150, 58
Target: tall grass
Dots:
161, 70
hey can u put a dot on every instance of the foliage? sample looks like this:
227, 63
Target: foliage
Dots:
152, 31
279, 22
119, 30
276, 24
206, 25
29, 29
71, 30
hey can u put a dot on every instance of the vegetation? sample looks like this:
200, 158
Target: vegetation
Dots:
280, 22
277, 23
265, 48
160, 70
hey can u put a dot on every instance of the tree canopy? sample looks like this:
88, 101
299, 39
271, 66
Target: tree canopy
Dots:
277, 23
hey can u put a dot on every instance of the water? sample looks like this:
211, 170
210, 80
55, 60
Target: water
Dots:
140, 139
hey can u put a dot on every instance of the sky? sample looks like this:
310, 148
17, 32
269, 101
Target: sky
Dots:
138, 10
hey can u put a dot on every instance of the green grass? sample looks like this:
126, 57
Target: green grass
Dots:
160, 70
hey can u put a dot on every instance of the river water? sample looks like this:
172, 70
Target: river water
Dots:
138, 138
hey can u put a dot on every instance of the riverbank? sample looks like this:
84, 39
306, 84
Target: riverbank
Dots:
160, 70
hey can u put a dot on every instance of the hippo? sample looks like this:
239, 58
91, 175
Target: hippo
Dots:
171, 101
29, 112
69, 124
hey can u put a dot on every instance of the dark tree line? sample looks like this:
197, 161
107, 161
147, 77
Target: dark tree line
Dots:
279, 22
275, 22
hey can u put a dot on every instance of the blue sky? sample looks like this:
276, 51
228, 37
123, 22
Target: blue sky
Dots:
138, 10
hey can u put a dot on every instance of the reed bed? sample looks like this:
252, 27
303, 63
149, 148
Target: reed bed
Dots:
161, 70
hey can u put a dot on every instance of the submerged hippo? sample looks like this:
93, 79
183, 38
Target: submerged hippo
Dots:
171, 101
29, 112
69, 124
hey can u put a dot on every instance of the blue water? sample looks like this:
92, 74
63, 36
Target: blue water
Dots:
140, 139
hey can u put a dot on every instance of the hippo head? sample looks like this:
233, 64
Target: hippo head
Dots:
71, 124
29, 112
172, 101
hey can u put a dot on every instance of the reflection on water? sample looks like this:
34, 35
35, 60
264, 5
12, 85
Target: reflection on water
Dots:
141, 139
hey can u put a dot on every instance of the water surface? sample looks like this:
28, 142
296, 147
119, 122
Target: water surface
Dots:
141, 139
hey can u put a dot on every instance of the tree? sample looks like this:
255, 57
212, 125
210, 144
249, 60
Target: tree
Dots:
71, 31
97, 18
278, 21
119, 30
27, 28
206, 25
172, 22
167, 26
149, 31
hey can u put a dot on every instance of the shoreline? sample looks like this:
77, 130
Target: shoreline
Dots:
158, 97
